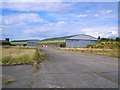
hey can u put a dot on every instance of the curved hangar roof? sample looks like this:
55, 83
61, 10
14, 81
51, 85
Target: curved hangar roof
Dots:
83, 37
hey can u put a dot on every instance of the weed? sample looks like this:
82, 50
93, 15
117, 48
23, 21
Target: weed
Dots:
34, 66
7, 59
39, 56
42, 56
6, 82
105, 52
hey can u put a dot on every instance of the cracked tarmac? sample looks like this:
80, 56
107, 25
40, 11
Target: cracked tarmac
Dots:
66, 69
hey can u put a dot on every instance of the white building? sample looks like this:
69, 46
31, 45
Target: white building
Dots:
33, 43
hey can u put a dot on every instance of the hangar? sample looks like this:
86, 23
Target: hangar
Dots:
81, 40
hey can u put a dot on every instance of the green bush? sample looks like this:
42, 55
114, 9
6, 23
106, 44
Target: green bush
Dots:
7, 59
42, 56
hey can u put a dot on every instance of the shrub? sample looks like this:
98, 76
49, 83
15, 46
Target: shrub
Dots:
42, 56
7, 59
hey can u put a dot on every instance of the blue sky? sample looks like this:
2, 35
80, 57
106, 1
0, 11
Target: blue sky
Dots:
40, 20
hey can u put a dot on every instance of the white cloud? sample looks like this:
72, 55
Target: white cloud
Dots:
109, 11
37, 6
101, 31
21, 19
88, 11
82, 15
51, 30
59, 29
61, 22
106, 11
96, 15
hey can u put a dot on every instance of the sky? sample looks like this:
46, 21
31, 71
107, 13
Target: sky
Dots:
41, 20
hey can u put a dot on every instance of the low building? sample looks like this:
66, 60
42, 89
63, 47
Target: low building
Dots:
5, 42
81, 40
33, 43
20, 45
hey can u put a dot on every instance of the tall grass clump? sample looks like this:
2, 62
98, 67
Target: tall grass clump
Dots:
39, 56
42, 56
15, 55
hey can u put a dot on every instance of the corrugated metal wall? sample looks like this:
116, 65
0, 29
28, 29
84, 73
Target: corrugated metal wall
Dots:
32, 43
79, 43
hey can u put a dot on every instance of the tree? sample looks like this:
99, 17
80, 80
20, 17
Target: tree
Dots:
104, 39
117, 39
99, 37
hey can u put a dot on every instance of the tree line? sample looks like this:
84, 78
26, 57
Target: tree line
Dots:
109, 39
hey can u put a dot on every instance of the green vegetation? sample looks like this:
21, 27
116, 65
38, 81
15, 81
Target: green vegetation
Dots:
18, 42
101, 48
105, 52
51, 41
105, 45
110, 39
34, 66
21, 55
6, 79
6, 82
16, 55
23, 40
42, 56
6, 46
117, 39
39, 57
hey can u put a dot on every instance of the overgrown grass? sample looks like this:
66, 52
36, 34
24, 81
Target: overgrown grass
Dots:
105, 52
105, 45
39, 57
18, 55
102, 48
21, 55
42, 56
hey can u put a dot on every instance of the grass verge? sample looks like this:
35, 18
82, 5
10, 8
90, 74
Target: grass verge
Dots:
21, 55
16, 55
105, 52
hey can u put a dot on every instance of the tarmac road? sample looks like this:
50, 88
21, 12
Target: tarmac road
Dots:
67, 69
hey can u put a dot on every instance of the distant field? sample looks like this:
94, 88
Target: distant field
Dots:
18, 42
51, 41
42, 42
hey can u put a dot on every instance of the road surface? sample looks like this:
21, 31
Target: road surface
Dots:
67, 69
